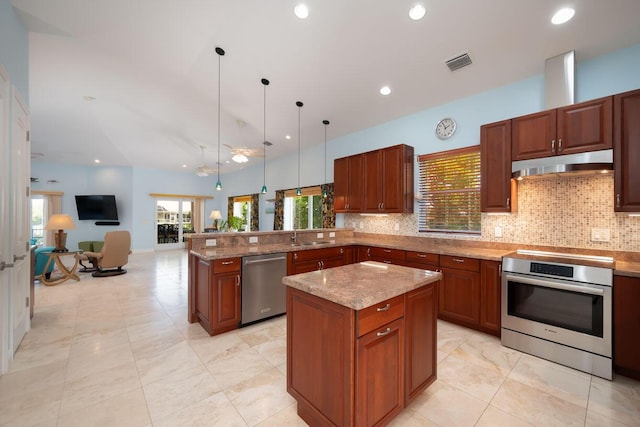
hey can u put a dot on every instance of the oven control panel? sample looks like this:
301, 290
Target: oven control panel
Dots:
551, 269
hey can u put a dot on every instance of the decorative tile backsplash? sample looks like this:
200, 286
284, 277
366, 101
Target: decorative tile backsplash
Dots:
551, 212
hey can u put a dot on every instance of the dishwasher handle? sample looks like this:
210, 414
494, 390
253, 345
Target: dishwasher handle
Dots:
260, 261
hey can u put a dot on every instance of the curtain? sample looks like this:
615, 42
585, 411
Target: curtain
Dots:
278, 217
229, 208
54, 207
328, 212
255, 212
196, 216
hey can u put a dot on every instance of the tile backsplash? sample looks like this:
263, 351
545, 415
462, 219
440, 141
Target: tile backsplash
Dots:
551, 212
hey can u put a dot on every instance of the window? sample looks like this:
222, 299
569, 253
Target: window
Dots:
450, 190
242, 209
37, 219
305, 211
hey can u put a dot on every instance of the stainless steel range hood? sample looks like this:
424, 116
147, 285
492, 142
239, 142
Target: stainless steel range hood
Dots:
593, 162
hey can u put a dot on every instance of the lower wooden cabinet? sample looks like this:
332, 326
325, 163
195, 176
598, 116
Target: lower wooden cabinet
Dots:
626, 324
217, 294
384, 255
304, 261
490, 296
371, 362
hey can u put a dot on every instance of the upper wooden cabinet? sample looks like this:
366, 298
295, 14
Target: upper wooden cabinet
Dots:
626, 153
382, 180
498, 191
577, 128
348, 183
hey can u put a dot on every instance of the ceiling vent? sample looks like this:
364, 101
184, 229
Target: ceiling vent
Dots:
458, 62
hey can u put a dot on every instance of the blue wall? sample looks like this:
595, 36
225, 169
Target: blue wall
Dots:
608, 74
14, 48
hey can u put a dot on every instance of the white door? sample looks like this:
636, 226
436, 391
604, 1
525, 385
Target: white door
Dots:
173, 217
5, 228
20, 218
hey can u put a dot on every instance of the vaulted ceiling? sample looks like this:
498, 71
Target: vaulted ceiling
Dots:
135, 82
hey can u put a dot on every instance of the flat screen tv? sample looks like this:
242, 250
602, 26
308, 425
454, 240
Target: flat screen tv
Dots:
97, 207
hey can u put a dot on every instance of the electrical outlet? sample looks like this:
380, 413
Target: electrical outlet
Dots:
497, 232
332, 234
600, 235
319, 235
396, 226
361, 224
253, 239
210, 242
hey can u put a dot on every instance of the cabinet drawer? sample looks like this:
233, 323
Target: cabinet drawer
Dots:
380, 314
386, 253
317, 254
423, 257
460, 263
226, 265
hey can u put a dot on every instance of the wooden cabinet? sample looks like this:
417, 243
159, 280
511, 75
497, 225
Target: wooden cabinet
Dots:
498, 192
381, 357
217, 296
490, 292
348, 183
459, 293
577, 128
626, 323
304, 261
382, 178
424, 260
626, 153
385, 255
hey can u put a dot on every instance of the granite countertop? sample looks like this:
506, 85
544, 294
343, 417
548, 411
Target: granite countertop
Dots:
361, 285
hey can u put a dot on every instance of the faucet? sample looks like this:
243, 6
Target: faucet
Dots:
294, 236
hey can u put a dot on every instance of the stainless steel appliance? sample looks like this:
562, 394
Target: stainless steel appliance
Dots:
558, 307
263, 294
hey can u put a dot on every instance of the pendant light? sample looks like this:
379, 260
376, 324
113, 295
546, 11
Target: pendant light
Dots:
324, 192
265, 143
220, 53
299, 190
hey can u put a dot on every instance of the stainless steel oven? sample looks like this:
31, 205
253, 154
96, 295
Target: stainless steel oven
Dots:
558, 307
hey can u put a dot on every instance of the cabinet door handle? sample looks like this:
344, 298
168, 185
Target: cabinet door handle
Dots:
560, 145
227, 262
385, 332
458, 260
322, 264
295, 255
387, 250
500, 270
386, 261
553, 146
341, 251
238, 280
618, 200
508, 202
422, 255
368, 252
385, 308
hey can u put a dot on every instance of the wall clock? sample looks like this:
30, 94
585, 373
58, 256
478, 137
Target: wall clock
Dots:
445, 128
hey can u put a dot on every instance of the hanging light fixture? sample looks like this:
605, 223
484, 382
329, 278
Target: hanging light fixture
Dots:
299, 190
324, 192
220, 53
265, 143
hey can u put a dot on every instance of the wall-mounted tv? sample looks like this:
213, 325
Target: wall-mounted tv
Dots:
100, 207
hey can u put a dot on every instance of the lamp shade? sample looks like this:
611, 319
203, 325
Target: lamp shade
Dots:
60, 222
215, 214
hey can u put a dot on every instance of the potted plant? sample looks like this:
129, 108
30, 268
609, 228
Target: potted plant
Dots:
235, 223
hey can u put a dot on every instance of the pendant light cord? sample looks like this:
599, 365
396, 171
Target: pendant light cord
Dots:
219, 61
299, 104
264, 134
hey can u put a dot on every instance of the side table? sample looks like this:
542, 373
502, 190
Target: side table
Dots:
67, 273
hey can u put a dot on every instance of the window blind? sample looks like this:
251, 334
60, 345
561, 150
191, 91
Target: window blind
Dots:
449, 184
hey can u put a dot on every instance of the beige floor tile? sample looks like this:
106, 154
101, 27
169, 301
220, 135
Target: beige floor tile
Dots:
451, 336
274, 351
537, 407
471, 378
178, 391
99, 386
260, 397
557, 380
83, 363
436, 404
494, 417
287, 417
154, 344
618, 400
216, 410
175, 359
486, 351
233, 368
124, 410
212, 348
597, 420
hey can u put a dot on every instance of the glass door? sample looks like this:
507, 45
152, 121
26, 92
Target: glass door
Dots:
173, 221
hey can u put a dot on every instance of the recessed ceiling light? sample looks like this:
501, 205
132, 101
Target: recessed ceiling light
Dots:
89, 98
287, 137
562, 16
184, 166
301, 10
385, 90
417, 12
96, 161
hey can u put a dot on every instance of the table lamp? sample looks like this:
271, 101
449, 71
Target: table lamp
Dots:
60, 222
215, 216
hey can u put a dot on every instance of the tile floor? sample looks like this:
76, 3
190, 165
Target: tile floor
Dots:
119, 352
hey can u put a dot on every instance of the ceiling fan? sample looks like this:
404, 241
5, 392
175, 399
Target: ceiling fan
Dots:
203, 169
242, 154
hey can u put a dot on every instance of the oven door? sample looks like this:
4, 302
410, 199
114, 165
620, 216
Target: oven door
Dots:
569, 313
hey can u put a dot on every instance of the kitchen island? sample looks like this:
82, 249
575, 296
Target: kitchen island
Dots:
361, 341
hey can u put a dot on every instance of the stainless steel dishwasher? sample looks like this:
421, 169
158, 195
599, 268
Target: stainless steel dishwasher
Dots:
263, 294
